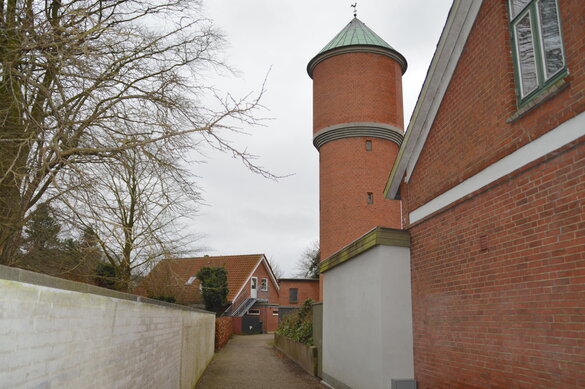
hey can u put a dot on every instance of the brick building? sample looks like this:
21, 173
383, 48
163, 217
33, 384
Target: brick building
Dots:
253, 290
255, 296
485, 277
293, 291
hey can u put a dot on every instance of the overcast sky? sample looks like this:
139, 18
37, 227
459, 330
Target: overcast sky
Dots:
245, 213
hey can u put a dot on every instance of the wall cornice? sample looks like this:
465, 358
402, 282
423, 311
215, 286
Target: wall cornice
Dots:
355, 129
387, 52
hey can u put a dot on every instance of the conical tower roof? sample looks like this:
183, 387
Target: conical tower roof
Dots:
356, 37
356, 33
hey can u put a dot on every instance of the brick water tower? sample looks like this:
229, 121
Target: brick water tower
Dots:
358, 126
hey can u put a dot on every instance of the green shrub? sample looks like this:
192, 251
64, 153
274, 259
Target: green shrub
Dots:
298, 325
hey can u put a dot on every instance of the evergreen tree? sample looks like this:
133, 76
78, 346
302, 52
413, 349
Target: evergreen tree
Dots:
214, 288
42, 230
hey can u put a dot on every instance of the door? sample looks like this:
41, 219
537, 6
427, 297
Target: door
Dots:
254, 287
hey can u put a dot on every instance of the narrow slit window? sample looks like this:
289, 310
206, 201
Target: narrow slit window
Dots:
370, 198
368, 145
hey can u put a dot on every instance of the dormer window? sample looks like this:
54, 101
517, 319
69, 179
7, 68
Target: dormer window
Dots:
539, 58
191, 280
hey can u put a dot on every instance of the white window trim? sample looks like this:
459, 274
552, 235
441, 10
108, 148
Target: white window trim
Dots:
275, 312
264, 284
253, 312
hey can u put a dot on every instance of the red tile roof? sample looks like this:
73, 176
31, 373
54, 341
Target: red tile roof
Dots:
239, 268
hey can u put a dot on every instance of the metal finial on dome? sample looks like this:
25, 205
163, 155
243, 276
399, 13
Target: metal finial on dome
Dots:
354, 5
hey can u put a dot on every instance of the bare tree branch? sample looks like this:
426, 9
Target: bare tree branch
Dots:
84, 81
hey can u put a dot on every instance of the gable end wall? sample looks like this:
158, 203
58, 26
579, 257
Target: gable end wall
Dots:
498, 278
471, 129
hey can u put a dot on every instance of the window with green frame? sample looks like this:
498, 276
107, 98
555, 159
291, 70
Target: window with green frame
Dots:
539, 58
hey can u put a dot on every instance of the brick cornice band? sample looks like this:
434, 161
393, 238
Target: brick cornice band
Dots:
391, 53
355, 129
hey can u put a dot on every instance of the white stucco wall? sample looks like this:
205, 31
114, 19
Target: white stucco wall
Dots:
56, 338
367, 320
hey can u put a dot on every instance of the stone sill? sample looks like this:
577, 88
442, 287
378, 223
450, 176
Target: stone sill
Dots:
545, 95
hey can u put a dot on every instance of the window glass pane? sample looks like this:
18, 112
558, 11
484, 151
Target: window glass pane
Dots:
518, 6
526, 60
551, 37
293, 295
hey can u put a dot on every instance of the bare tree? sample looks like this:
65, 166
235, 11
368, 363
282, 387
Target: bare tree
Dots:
83, 81
134, 205
278, 273
308, 265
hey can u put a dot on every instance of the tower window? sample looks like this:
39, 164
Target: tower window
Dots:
538, 46
370, 198
368, 145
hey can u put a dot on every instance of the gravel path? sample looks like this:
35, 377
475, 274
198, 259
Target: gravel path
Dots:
250, 361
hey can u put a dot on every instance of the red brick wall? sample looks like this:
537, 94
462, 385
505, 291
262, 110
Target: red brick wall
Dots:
272, 294
498, 279
357, 87
223, 331
499, 283
269, 321
306, 289
237, 324
347, 172
470, 130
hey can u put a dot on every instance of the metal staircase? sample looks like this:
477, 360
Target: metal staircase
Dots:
242, 308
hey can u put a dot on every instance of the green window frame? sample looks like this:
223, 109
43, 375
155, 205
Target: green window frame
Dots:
537, 45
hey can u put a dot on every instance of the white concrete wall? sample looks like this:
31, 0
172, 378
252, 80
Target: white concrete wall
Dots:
367, 320
56, 338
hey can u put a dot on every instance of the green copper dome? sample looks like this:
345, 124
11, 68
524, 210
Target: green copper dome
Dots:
356, 37
356, 33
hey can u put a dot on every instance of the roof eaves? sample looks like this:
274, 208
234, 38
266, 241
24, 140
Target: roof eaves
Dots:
459, 23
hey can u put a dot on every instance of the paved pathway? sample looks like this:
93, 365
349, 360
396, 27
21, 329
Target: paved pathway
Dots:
250, 361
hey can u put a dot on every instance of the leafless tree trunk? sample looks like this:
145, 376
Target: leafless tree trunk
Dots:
134, 204
83, 81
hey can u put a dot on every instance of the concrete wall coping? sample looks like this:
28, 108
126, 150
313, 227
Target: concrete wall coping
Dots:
377, 236
29, 277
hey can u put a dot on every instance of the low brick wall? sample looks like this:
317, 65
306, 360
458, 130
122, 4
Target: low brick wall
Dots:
223, 331
305, 356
